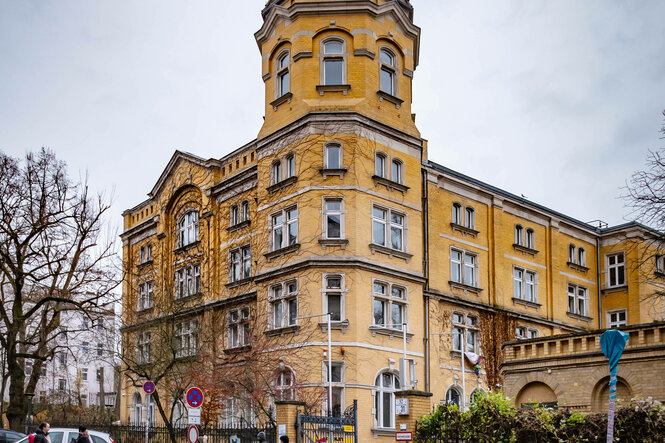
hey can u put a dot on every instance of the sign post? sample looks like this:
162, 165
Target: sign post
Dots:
612, 342
194, 400
148, 388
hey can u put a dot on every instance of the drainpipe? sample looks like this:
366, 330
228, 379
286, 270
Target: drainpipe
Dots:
598, 274
425, 215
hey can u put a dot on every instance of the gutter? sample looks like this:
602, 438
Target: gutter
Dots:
598, 274
425, 215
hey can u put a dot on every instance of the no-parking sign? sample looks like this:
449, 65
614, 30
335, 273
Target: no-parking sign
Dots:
194, 397
148, 387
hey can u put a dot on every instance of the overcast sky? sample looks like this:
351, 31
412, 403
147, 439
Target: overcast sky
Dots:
558, 100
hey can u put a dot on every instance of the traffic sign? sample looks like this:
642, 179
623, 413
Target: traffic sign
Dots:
193, 416
149, 387
403, 436
194, 397
193, 434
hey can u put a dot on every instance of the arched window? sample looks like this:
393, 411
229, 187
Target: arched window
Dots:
519, 235
188, 228
477, 394
384, 402
581, 254
453, 396
290, 165
284, 384
244, 210
457, 213
282, 74
380, 165
387, 73
136, 415
571, 253
333, 156
530, 239
333, 62
469, 217
179, 419
276, 172
397, 171
234, 215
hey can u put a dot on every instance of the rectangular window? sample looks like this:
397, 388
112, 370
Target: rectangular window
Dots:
525, 285
333, 296
84, 347
284, 226
188, 281
578, 300
465, 332
388, 228
143, 345
388, 305
146, 296
617, 318
240, 263
333, 218
463, 267
238, 332
100, 349
61, 384
283, 300
337, 377
333, 156
84, 374
186, 338
616, 269
524, 332
234, 215
333, 71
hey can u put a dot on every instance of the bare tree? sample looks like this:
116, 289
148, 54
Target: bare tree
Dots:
53, 257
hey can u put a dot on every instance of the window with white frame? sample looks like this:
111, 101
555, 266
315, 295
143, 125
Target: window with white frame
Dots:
578, 300
146, 296
388, 228
337, 373
453, 396
380, 164
178, 416
62, 384
332, 156
244, 210
464, 267
616, 269
290, 164
62, 358
388, 305
145, 253
285, 384
282, 74
84, 347
240, 261
617, 318
136, 412
388, 72
84, 374
238, 321
466, 332
525, 284
234, 215
186, 338
581, 257
143, 347
524, 332
530, 241
333, 296
188, 228
397, 171
283, 300
333, 62
571, 253
188, 280
284, 227
457, 213
100, 349
386, 384
333, 218
469, 217
276, 172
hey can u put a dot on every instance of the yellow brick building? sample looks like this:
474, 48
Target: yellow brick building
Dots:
335, 208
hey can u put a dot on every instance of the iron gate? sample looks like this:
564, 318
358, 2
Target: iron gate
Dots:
324, 429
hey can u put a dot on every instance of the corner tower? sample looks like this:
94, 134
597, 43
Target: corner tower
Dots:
355, 56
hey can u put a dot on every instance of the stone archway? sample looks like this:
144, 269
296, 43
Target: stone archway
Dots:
601, 393
535, 392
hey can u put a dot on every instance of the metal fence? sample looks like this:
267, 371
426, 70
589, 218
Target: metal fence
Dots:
325, 429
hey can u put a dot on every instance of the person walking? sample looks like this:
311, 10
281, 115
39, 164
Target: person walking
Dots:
84, 437
41, 435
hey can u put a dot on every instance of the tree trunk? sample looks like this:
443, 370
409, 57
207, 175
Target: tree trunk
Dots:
167, 422
17, 409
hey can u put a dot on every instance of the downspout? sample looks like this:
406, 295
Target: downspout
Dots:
425, 215
598, 274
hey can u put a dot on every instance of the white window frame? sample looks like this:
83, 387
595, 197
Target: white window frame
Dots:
284, 226
617, 268
146, 295
84, 374
616, 323
234, 215
449, 398
470, 217
325, 212
289, 166
519, 235
143, 347
240, 263
462, 266
239, 331
186, 335
397, 170
389, 68
389, 226
388, 301
466, 332
282, 298
326, 156
338, 385
188, 281
380, 400
282, 71
327, 291
85, 346
244, 210
276, 172
457, 214
581, 256
380, 161
337, 56
578, 293
188, 228
145, 253
285, 383
524, 284
530, 238
526, 332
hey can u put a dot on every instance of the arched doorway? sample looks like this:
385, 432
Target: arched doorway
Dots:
536, 393
601, 394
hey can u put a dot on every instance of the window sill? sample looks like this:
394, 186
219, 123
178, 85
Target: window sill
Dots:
464, 229
579, 317
391, 252
282, 331
341, 242
145, 264
575, 266
610, 289
239, 226
390, 332
145, 311
465, 288
389, 184
241, 282
282, 251
285, 98
524, 249
283, 184
387, 432
238, 349
333, 88
390, 98
188, 246
659, 274
528, 304
339, 325
187, 298
190, 358
332, 172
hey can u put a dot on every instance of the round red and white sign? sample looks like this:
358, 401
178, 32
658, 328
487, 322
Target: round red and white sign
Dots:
193, 434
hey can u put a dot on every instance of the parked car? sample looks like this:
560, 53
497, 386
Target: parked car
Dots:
69, 435
7, 436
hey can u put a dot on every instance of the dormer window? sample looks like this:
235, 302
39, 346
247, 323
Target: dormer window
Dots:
283, 75
387, 73
333, 62
188, 229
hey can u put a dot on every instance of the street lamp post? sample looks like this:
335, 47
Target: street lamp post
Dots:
461, 367
384, 325
28, 419
328, 315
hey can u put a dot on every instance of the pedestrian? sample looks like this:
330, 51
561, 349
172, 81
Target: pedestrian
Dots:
84, 437
261, 436
41, 435
284, 439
